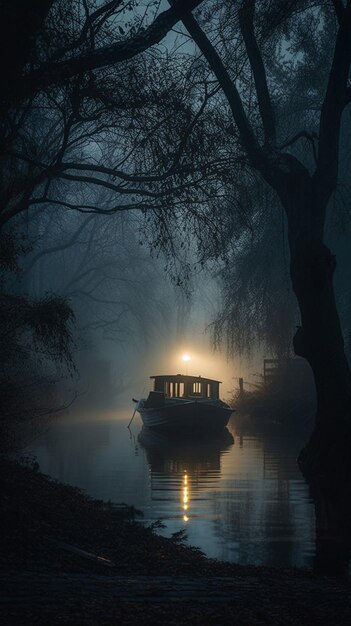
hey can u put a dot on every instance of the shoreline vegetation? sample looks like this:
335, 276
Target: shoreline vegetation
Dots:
69, 559
286, 400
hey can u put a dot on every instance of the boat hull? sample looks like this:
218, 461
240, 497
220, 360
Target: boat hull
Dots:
186, 416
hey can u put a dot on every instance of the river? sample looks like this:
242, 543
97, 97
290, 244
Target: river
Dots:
239, 496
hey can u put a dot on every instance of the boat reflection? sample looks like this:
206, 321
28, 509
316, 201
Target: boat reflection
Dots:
169, 454
180, 467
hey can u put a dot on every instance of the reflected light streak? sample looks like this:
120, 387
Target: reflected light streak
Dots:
185, 496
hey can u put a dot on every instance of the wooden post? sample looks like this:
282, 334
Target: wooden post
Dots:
241, 386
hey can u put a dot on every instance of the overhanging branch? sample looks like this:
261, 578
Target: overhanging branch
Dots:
51, 73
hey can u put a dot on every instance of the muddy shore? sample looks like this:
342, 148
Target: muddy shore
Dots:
69, 559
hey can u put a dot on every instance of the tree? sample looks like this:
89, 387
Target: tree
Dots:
21, 28
250, 41
265, 46
304, 196
73, 134
66, 137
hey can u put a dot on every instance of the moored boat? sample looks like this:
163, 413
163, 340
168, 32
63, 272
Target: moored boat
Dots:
184, 404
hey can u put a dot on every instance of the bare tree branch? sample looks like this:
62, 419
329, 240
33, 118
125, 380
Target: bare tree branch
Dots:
59, 247
274, 170
118, 208
246, 132
51, 73
90, 296
123, 190
311, 137
246, 20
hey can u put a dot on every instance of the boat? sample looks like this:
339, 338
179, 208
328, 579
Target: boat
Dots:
184, 404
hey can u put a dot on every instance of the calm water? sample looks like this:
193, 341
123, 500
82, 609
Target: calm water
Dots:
240, 496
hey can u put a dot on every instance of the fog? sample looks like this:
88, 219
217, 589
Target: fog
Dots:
131, 318
175, 199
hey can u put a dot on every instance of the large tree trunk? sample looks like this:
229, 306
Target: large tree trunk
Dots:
333, 525
319, 340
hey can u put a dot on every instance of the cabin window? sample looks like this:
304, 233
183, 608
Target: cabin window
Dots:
197, 389
177, 390
208, 391
174, 390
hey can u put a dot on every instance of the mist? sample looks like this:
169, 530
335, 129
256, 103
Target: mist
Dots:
131, 318
175, 310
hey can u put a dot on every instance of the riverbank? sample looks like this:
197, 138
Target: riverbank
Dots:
69, 559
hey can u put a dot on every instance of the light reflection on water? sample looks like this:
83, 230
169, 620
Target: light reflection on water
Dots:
240, 496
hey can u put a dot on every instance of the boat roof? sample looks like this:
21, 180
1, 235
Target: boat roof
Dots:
184, 377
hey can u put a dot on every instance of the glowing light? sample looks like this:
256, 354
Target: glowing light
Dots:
185, 496
186, 358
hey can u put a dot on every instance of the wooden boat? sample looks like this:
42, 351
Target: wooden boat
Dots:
184, 404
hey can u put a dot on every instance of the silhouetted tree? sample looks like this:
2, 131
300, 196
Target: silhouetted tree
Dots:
53, 117
304, 193
245, 129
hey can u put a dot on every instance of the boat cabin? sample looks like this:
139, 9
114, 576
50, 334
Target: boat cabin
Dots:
179, 386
